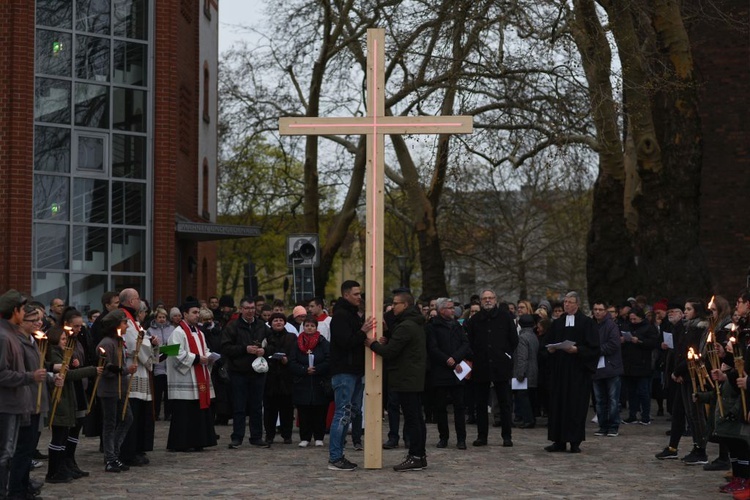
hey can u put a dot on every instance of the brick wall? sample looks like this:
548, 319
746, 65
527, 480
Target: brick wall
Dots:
16, 142
722, 61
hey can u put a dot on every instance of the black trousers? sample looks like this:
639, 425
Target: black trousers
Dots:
456, 393
414, 426
278, 405
504, 398
312, 422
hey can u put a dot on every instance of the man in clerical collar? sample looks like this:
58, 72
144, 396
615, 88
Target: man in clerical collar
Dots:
242, 341
570, 372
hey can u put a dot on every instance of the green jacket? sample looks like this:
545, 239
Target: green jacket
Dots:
65, 414
406, 352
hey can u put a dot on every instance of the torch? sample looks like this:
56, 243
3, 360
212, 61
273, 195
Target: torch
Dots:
138, 344
739, 365
119, 364
692, 368
716, 385
41, 342
102, 359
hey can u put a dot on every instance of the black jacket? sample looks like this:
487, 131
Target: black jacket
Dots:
445, 339
235, 338
279, 379
493, 339
406, 352
347, 339
636, 358
308, 389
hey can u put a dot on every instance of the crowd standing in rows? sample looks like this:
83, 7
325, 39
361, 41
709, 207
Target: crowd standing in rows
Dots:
205, 363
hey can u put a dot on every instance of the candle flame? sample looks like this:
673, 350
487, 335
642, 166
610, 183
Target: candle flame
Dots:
732, 340
711, 302
733, 327
691, 353
710, 337
119, 332
40, 335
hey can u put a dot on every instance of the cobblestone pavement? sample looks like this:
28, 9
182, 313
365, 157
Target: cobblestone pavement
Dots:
609, 467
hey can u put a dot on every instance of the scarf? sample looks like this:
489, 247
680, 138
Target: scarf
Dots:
307, 342
201, 372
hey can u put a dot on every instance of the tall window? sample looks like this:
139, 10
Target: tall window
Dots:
206, 94
91, 153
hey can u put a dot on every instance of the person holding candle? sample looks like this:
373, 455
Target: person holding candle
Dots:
111, 390
309, 364
17, 381
58, 470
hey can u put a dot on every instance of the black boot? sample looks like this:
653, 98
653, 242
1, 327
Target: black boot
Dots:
56, 470
70, 461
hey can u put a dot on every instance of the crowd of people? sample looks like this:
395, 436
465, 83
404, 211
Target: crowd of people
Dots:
118, 370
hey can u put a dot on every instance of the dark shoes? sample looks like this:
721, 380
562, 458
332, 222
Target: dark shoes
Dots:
527, 425
443, 443
507, 443
112, 466
461, 445
390, 444
479, 442
574, 448
234, 445
555, 447
411, 463
718, 464
260, 443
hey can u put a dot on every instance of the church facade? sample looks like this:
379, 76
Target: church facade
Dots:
108, 148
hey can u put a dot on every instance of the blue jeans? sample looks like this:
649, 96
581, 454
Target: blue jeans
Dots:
639, 396
347, 395
607, 395
247, 397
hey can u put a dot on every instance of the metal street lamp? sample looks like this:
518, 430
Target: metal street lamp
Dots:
401, 260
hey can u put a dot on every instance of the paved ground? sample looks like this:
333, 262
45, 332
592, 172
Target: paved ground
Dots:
621, 467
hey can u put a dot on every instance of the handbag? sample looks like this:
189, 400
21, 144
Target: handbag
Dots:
260, 365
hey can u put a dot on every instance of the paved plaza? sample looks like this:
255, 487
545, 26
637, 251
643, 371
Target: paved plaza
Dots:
619, 467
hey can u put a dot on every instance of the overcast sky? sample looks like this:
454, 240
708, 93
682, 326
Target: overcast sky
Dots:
235, 13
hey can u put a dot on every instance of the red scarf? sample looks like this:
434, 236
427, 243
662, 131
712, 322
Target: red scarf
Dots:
307, 342
201, 372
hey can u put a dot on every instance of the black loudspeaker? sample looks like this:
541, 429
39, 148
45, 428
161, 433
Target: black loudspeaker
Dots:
303, 250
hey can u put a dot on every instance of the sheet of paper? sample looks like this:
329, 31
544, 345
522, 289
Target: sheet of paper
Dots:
601, 363
627, 336
519, 386
562, 345
214, 356
465, 369
669, 339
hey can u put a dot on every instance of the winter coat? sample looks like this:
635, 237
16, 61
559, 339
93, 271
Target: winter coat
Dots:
16, 380
611, 348
162, 331
235, 338
445, 339
308, 389
493, 338
279, 379
114, 371
636, 358
65, 414
525, 366
347, 339
405, 352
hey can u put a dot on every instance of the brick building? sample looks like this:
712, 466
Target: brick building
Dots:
108, 148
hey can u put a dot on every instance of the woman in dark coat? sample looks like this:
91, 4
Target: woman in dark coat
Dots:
277, 396
309, 364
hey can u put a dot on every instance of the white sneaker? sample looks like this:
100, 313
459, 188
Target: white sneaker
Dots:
303, 444
318, 442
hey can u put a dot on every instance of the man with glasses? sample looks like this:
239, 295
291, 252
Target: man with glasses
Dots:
242, 342
493, 339
607, 377
16, 381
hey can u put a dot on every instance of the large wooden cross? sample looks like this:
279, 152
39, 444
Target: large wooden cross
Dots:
375, 125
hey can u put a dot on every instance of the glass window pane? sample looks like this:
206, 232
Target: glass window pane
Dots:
91, 200
48, 286
51, 149
53, 53
92, 105
129, 203
128, 250
57, 13
87, 291
89, 249
130, 19
52, 101
51, 197
122, 282
128, 156
129, 110
90, 153
130, 63
92, 16
51, 246
92, 58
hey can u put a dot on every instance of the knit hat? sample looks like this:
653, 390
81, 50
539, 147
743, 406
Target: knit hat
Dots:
10, 300
175, 311
660, 306
676, 305
112, 320
189, 303
526, 321
226, 301
544, 304
299, 311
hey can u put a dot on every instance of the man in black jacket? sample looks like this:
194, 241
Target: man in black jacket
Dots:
407, 355
242, 341
493, 339
348, 333
447, 346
